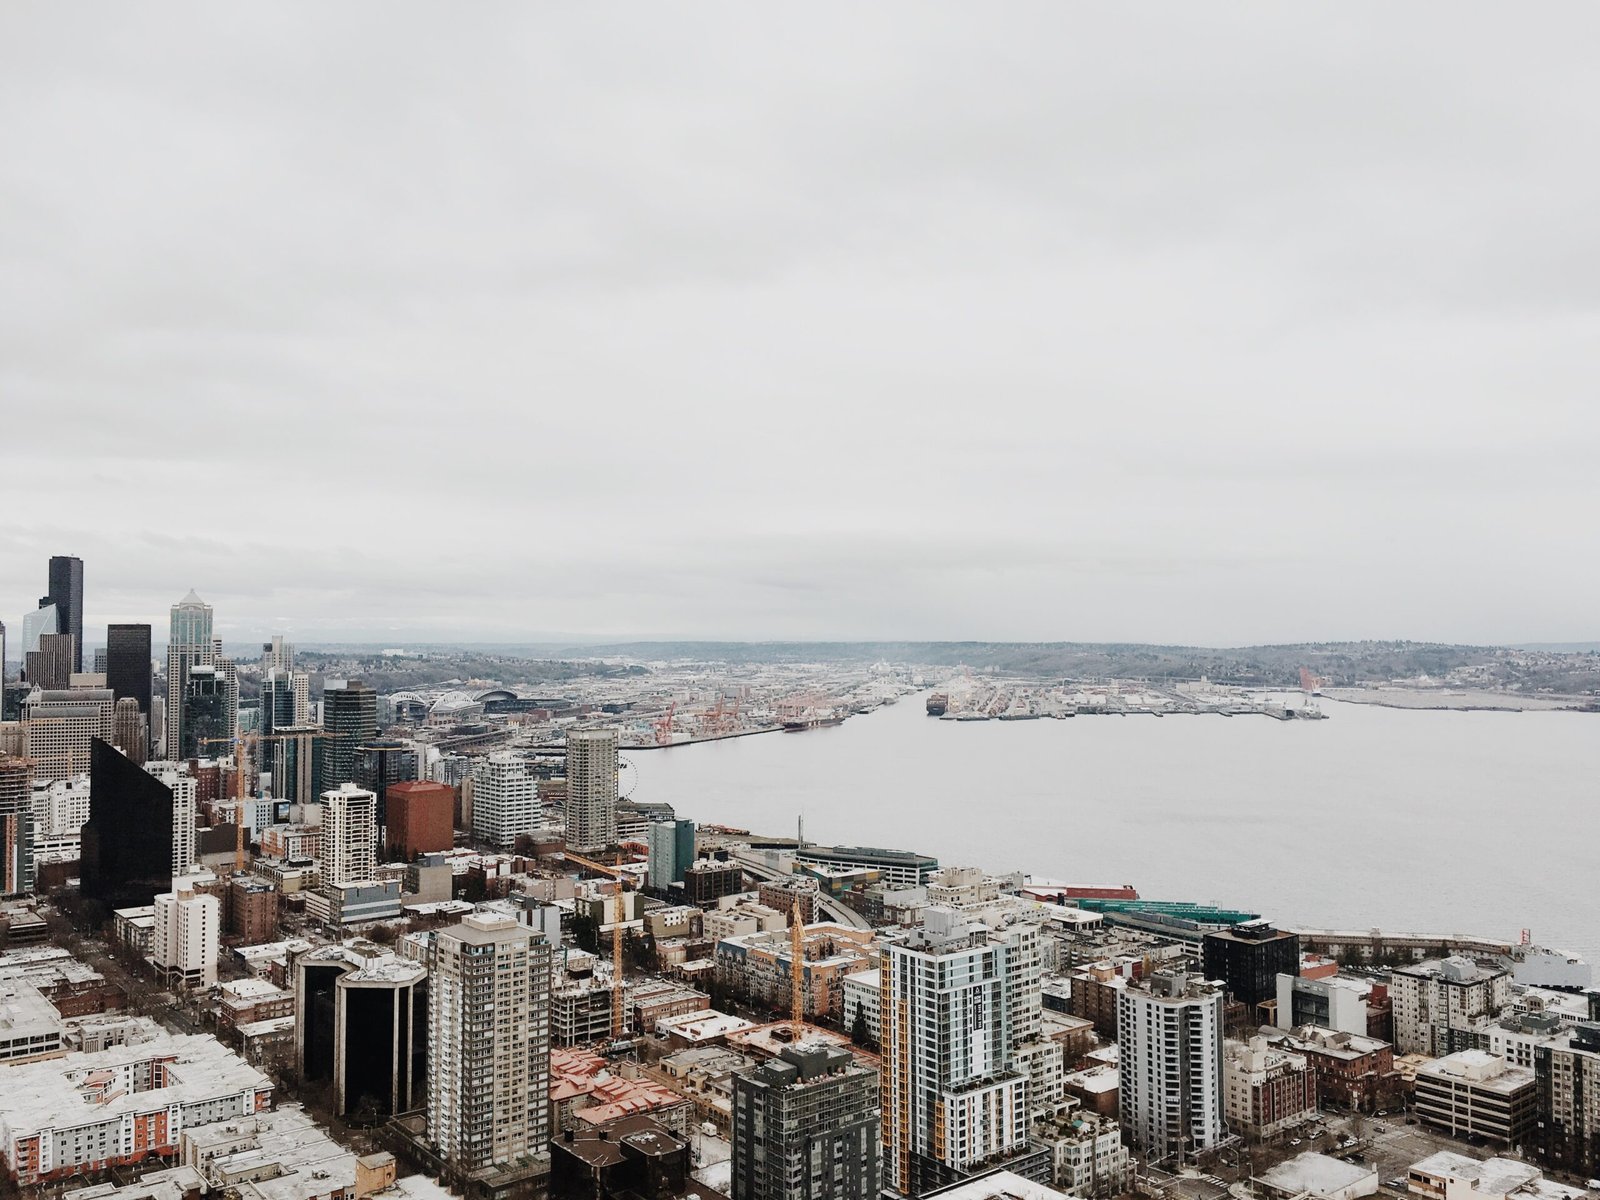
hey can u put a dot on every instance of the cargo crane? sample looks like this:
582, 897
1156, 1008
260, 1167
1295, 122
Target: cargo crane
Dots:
1310, 684
619, 914
663, 727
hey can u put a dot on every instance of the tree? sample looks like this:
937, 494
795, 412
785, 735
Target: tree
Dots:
859, 1033
524, 845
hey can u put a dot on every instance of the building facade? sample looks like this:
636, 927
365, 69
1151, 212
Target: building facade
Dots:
128, 664
1169, 1034
1265, 1089
420, 819
348, 850
16, 826
66, 593
504, 799
806, 1127
350, 715
1441, 1006
591, 804
1248, 958
186, 937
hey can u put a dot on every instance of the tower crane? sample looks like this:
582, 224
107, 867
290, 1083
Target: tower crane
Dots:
619, 914
797, 970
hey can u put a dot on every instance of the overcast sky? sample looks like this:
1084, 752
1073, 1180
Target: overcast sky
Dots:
1184, 322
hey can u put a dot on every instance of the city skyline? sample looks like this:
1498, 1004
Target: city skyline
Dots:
1259, 334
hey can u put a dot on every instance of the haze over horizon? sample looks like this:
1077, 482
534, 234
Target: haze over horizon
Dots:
1211, 327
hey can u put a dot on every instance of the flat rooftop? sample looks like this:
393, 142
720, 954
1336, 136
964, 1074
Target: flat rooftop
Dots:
1319, 1174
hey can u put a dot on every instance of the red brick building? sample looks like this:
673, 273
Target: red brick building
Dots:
252, 911
421, 819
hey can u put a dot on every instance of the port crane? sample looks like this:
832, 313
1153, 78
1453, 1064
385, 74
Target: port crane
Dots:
663, 727
618, 915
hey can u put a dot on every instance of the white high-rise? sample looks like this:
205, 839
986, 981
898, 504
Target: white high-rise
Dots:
185, 791
505, 801
1169, 1038
488, 1042
187, 936
591, 806
952, 1095
349, 849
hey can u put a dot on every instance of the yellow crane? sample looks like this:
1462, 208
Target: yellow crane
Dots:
797, 970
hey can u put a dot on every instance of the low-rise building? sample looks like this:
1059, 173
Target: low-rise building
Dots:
757, 967
1087, 1157
1318, 1176
1472, 1093
1265, 1089
1450, 1176
1351, 1072
30, 1026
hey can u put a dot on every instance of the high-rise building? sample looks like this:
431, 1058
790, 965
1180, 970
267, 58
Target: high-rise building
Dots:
66, 593
420, 819
128, 729
4, 712
58, 727
952, 1096
186, 936
671, 846
16, 826
188, 645
129, 843
591, 809
806, 1126
128, 663
1169, 1035
207, 721
277, 655
1568, 1073
1440, 1006
50, 666
488, 1043
1248, 958
361, 1023
382, 762
350, 714
42, 620
349, 849
504, 799
285, 700
185, 789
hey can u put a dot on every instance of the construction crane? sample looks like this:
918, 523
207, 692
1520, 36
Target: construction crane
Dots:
797, 969
619, 913
239, 742
663, 727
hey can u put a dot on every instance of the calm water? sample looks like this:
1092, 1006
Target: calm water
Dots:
1413, 821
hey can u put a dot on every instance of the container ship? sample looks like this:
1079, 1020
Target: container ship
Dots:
814, 719
937, 703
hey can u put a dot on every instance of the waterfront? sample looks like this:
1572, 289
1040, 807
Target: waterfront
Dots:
1469, 822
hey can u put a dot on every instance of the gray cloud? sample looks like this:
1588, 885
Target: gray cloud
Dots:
1050, 321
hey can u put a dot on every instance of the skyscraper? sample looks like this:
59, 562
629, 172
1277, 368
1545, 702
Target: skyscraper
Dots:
128, 729
207, 721
591, 807
16, 826
1169, 1034
128, 663
277, 654
42, 620
504, 799
188, 646
350, 713
59, 726
382, 762
49, 666
806, 1127
488, 1043
952, 1095
66, 593
349, 853
129, 846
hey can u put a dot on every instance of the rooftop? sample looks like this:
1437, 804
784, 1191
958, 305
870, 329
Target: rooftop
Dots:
996, 1185
1318, 1174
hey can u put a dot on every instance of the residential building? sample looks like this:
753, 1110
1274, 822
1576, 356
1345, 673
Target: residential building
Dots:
420, 819
1472, 1093
591, 803
85, 1112
349, 843
671, 845
707, 880
1087, 1157
785, 894
128, 664
504, 799
59, 725
806, 1126
183, 787
252, 910
1442, 1005
16, 826
1352, 1072
186, 936
350, 714
952, 1096
488, 1050
861, 992
1265, 1089
1169, 1032
66, 593
361, 1024
1568, 1074
1248, 958
758, 966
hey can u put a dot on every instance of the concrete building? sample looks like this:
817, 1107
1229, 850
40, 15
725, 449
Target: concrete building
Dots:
91, 1111
49, 665
60, 726
504, 799
1447, 1175
757, 966
1087, 1157
1314, 1176
360, 1023
1441, 1006
1265, 1089
186, 936
707, 880
1471, 1093
488, 1048
784, 894
591, 804
189, 645
1568, 1075
901, 868
671, 845
128, 727
952, 1097
16, 826
1169, 1030
348, 849
1335, 1002
1248, 958
862, 991
806, 1126
420, 819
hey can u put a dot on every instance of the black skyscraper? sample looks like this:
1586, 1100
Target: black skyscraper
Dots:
66, 593
127, 840
351, 713
128, 663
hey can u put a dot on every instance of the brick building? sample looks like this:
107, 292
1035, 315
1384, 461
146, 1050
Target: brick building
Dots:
420, 819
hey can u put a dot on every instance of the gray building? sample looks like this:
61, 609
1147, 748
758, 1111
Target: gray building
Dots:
128, 663
66, 593
806, 1126
671, 851
591, 808
350, 713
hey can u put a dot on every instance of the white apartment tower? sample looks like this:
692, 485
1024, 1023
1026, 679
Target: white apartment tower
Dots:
1169, 1034
488, 1042
187, 936
591, 810
185, 791
952, 1095
349, 850
505, 800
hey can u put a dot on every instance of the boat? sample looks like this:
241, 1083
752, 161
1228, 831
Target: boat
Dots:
813, 719
937, 704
